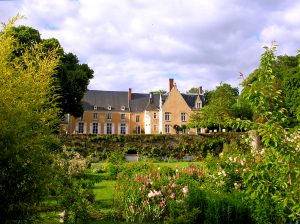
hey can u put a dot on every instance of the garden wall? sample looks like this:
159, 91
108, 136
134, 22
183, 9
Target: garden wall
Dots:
174, 146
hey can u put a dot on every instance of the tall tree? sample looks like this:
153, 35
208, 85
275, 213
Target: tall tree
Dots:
27, 112
73, 77
219, 107
285, 79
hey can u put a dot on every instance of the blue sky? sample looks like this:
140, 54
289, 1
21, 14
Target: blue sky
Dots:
140, 44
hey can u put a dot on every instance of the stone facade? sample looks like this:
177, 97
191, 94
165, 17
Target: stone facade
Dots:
116, 112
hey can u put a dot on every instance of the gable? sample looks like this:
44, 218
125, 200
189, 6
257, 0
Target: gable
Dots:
175, 101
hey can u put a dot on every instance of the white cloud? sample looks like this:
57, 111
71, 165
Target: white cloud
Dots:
140, 43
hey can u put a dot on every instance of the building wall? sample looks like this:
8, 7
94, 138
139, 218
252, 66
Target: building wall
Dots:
101, 119
175, 105
151, 122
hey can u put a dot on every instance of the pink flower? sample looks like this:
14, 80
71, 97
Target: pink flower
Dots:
146, 202
173, 185
172, 195
131, 206
185, 189
162, 203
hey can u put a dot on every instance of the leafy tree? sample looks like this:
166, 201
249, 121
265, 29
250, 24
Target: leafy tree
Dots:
27, 112
271, 185
160, 91
72, 77
219, 107
193, 90
286, 76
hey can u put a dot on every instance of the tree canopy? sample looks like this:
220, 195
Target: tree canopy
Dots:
72, 77
220, 105
285, 79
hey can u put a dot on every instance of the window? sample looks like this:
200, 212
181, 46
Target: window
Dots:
109, 116
95, 116
122, 107
137, 118
109, 128
95, 108
138, 129
123, 129
109, 108
155, 115
123, 116
167, 116
95, 128
199, 105
183, 117
167, 128
80, 127
155, 128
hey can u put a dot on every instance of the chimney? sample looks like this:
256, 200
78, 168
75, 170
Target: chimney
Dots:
171, 84
200, 90
129, 94
151, 98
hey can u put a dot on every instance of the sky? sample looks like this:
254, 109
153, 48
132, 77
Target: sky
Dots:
140, 44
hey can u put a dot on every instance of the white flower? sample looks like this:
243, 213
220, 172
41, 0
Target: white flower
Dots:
151, 194
185, 189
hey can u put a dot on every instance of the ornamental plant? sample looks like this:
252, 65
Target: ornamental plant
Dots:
146, 195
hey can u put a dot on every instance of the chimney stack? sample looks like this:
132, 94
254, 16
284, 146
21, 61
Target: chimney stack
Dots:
200, 90
129, 94
171, 84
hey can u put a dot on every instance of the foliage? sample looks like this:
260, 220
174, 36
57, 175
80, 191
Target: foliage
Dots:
193, 90
160, 91
151, 146
161, 194
218, 108
27, 113
272, 183
72, 77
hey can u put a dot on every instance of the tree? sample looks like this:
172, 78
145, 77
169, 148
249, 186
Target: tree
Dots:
193, 90
272, 183
219, 107
160, 91
72, 77
27, 112
286, 76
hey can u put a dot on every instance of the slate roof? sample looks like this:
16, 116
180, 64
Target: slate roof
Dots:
104, 99
190, 99
139, 101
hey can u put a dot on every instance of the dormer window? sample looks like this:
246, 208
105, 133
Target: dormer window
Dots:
95, 107
109, 108
123, 108
198, 105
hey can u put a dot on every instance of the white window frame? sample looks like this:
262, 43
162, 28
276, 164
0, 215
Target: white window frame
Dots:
95, 128
167, 128
137, 118
122, 129
95, 116
167, 116
138, 129
80, 127
183, 117
109, 127
199, 105
109, 116
123, 117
